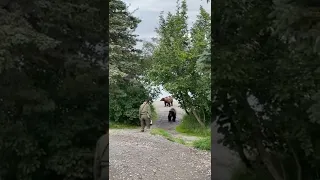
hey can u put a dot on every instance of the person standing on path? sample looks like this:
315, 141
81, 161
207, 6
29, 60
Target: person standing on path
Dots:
101, 158
145, 115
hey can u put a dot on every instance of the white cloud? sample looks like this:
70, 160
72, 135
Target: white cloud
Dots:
149, 11
150, 5
147, 36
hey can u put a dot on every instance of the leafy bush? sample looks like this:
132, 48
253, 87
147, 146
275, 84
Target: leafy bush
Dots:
266, 70
124, 124
125, 102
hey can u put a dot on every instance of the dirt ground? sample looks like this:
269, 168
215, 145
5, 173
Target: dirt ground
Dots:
136, 155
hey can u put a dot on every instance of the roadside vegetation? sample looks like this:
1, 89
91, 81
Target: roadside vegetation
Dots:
118, 125
265, 65
203, 143
190, 126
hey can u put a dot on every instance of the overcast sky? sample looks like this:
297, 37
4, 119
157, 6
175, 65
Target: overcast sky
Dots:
149, 10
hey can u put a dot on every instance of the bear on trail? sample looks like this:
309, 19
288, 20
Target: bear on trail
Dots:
172, 115
167, 101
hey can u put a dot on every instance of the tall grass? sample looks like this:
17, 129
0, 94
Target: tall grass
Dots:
190, 126
203, 143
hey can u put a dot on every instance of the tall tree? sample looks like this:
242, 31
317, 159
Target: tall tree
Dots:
262, 90
53, 87
128, 87
176, 60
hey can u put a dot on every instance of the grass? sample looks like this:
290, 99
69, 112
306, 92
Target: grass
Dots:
168, 136
203, 143
121, 126
154, 115
190, 126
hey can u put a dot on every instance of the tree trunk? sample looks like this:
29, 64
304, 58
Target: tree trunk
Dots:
183, 102
198, 118
239, 145
258, 138
296, 160
242, 156
267, 160
184, 107
284, 173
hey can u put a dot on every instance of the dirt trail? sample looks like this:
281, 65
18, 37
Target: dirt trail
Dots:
163, 111
163, 123
223, 160
138, 155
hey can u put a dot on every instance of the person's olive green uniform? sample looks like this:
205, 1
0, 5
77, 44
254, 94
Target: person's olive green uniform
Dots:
145, 115
101, 159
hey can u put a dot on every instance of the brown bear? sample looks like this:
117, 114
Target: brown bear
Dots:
167, 101
172, 115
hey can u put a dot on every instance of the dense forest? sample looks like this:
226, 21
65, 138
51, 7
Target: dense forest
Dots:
265, 85
129, 86
63, 77
53, 87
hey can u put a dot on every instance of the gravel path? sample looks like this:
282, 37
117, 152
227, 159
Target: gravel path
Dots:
138, 155
223, 160
162, 112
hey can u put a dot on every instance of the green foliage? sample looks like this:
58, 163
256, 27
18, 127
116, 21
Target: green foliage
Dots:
178, 60
190, 126
162, 132
119, 125
165, 134
154, 115
128, 89
265, 75
203, 143
53, 95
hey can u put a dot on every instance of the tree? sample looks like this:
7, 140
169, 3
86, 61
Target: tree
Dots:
53, 87
128, 87
175, 60
262, 90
